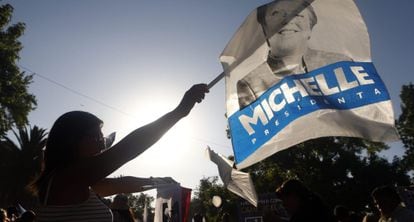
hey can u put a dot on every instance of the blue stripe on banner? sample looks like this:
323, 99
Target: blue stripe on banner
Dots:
341, 86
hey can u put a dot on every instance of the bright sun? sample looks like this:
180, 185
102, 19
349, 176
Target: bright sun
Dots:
174, 146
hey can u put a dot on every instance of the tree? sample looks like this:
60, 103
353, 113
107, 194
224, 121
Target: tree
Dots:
15, 101
405, 123
342, 170
20, 163
201, 203
139, 202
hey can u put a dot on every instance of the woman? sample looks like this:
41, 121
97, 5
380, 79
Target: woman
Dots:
121, 210
75, 167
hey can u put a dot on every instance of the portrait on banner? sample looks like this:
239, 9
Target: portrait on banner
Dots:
287, 26
291, 37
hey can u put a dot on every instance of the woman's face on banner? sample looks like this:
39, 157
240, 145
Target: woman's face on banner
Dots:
293, 35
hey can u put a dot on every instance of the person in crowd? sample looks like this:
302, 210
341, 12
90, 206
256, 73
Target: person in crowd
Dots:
27, 216
303, 204
121, 209
198, 217
390, 205
370, 213
225, 217
3, 215
344, 214
106, 201
287, 26
370, 217
13, 213
76, 162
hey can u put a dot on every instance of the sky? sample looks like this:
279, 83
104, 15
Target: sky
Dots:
129, 62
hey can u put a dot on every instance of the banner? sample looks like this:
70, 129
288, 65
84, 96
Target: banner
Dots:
145, 214
185, 203
238, 182
172, 203
301, 69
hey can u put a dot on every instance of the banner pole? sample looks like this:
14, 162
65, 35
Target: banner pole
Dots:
215, 80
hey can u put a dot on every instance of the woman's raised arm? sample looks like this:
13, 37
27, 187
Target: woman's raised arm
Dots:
94, 169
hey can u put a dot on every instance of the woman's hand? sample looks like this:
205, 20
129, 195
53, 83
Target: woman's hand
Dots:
195, 94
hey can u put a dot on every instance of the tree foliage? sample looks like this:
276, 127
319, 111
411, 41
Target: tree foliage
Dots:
342, 170
139, 202
20, 163
15, 100
202, 200
405, 123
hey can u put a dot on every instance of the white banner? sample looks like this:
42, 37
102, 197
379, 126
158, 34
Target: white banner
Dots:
301, 69
172, 203
238, 182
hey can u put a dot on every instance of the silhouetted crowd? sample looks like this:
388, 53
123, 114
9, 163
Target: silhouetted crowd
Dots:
300, 203
17, 214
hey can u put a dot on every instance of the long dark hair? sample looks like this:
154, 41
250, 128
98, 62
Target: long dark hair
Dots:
61, 147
